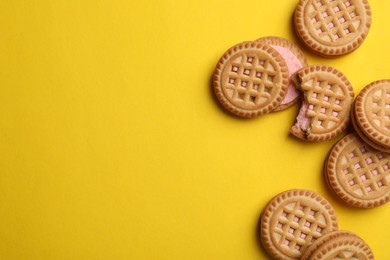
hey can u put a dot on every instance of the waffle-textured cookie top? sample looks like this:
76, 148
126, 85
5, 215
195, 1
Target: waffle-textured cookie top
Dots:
332, 27
294, 219
372, 112
250, 79
359, 174
328, 96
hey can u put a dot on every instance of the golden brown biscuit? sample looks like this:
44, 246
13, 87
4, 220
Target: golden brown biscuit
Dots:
292, 220
250, 79
326, 102
357, 173
332, 28
371, 114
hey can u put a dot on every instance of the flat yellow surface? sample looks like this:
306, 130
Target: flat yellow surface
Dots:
113, 147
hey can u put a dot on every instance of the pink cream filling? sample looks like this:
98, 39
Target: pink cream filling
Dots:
302, 120
293, 65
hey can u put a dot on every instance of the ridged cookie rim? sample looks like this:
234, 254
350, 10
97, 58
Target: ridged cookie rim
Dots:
310, 249
364, 125
346, 238
219, 70
319, 48
273, 204
362, 136
335, 184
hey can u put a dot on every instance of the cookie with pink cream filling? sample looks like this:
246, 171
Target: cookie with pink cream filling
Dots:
371, 115
358, 173
295, 60
294, 219
326, 103
332, 28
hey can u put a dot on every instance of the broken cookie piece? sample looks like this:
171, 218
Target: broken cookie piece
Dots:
327, 96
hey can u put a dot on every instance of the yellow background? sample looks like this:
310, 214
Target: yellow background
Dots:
113, 147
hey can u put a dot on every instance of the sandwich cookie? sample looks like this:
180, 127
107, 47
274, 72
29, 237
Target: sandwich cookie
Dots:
338, 245
331, 28
357, 173
295, 60
251, 79
294, 219
371, 115
326, 103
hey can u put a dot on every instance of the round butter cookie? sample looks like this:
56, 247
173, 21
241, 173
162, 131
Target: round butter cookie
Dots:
338, 245
251, 79
292, 220
295, 60
371, 114
331, 28
357, 173
326, 103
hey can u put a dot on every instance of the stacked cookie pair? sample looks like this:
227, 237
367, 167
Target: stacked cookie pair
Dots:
272, 74
300, 224
253, 78
357, 168
371, 115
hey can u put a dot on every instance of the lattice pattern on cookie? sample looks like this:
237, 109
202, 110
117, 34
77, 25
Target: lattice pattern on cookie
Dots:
365, 171
334, 20
298, 225
381, 108
325, 102
251, 79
